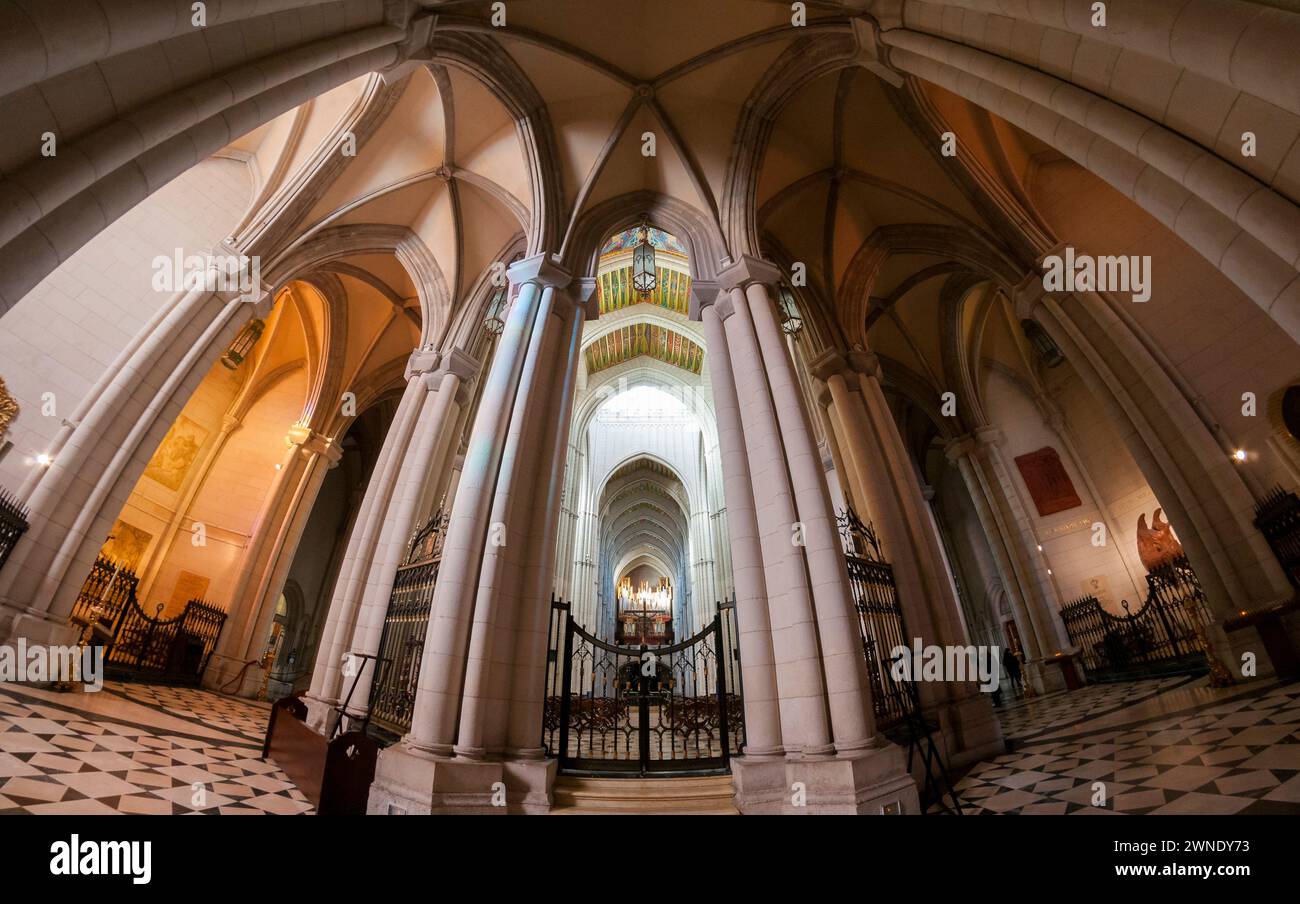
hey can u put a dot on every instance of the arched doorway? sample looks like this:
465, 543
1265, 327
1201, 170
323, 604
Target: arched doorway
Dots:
643, 680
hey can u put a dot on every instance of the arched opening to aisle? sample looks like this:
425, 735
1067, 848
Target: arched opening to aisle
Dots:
641, 568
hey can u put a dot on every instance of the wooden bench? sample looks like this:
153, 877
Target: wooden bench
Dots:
335, 775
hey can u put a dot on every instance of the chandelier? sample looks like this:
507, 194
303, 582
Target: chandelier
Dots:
643, 262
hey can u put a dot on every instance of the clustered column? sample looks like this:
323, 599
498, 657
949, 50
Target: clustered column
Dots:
881, 477
418, 447
800, 644
478, 706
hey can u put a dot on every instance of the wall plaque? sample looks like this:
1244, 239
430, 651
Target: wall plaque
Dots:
1049, 485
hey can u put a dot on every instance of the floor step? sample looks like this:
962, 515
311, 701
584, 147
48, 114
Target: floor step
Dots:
575, 795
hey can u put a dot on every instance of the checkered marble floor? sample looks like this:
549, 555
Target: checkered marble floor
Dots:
1240, 755
1031, 716
230, 714
55, 758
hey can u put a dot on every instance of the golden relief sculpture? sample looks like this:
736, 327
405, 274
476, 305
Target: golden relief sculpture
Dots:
1157, 544
8, 409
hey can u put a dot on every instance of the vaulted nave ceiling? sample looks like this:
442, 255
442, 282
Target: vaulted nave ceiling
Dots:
792, 143
841, 154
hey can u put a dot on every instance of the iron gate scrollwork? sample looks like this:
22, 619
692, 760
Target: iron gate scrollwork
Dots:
401, 646
880, 617
137, 644
1166, 634
641, 710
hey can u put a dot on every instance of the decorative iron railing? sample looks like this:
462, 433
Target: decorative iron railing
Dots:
880, 616
401, 646
13, 524
613, 709
1167, 634
139, 645
104, 596
1277, 516
167, 649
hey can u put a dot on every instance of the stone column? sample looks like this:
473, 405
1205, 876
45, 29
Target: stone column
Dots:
522, 487
757, 659
446, 391
823, 699
847, 686
1015, 563
346, 598
420, 775
805, 722
527, 688
885, 481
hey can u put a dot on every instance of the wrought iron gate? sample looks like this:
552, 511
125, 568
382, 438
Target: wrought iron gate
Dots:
1277, 516
401, 646
139, 645
1166, 635
622, 710
880, 617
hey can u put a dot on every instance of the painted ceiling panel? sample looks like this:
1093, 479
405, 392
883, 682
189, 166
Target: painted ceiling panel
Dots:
639, 339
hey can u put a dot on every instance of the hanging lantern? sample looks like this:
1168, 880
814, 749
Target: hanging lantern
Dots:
1044, 346
495, 319
243, 344
791, 322
643, 263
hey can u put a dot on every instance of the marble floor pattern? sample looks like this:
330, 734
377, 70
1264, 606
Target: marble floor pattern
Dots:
137, 749
1157, 747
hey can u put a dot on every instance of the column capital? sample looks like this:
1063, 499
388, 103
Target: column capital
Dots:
1029, 293
749, 270
988, 436
829, 363
422, 361
704, 292
460, 363
960, 447
580, 294
541, 269
308, 440
864, 362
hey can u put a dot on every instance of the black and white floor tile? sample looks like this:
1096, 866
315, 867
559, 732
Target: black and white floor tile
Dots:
1029, 716
1241, 755
248, 718
57, 759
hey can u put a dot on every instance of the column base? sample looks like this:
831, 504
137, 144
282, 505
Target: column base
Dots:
320, 713
1043, 678
36, 627
971, 730
415, 783
1271, 634
869, 782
